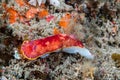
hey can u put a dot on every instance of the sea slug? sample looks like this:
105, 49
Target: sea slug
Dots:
40, 47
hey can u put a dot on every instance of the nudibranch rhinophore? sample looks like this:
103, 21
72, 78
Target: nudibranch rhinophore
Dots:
40, 47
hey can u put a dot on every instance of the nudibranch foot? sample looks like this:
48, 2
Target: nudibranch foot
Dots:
44, 56
74, 50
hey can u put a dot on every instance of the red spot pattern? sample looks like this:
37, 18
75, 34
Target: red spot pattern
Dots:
36, 48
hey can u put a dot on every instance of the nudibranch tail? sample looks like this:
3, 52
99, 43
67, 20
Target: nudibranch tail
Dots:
37, 48
82, 51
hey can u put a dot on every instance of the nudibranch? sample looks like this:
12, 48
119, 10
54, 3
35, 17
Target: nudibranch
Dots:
37, 48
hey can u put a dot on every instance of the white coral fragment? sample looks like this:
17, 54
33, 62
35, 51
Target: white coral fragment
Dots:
55, 3
33, 2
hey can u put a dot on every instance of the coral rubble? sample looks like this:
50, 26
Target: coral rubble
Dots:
95, 22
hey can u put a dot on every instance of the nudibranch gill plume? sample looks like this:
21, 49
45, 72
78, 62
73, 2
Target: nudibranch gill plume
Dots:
37, 48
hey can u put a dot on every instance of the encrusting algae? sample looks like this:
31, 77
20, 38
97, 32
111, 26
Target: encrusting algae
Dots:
65, 20
116, 58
